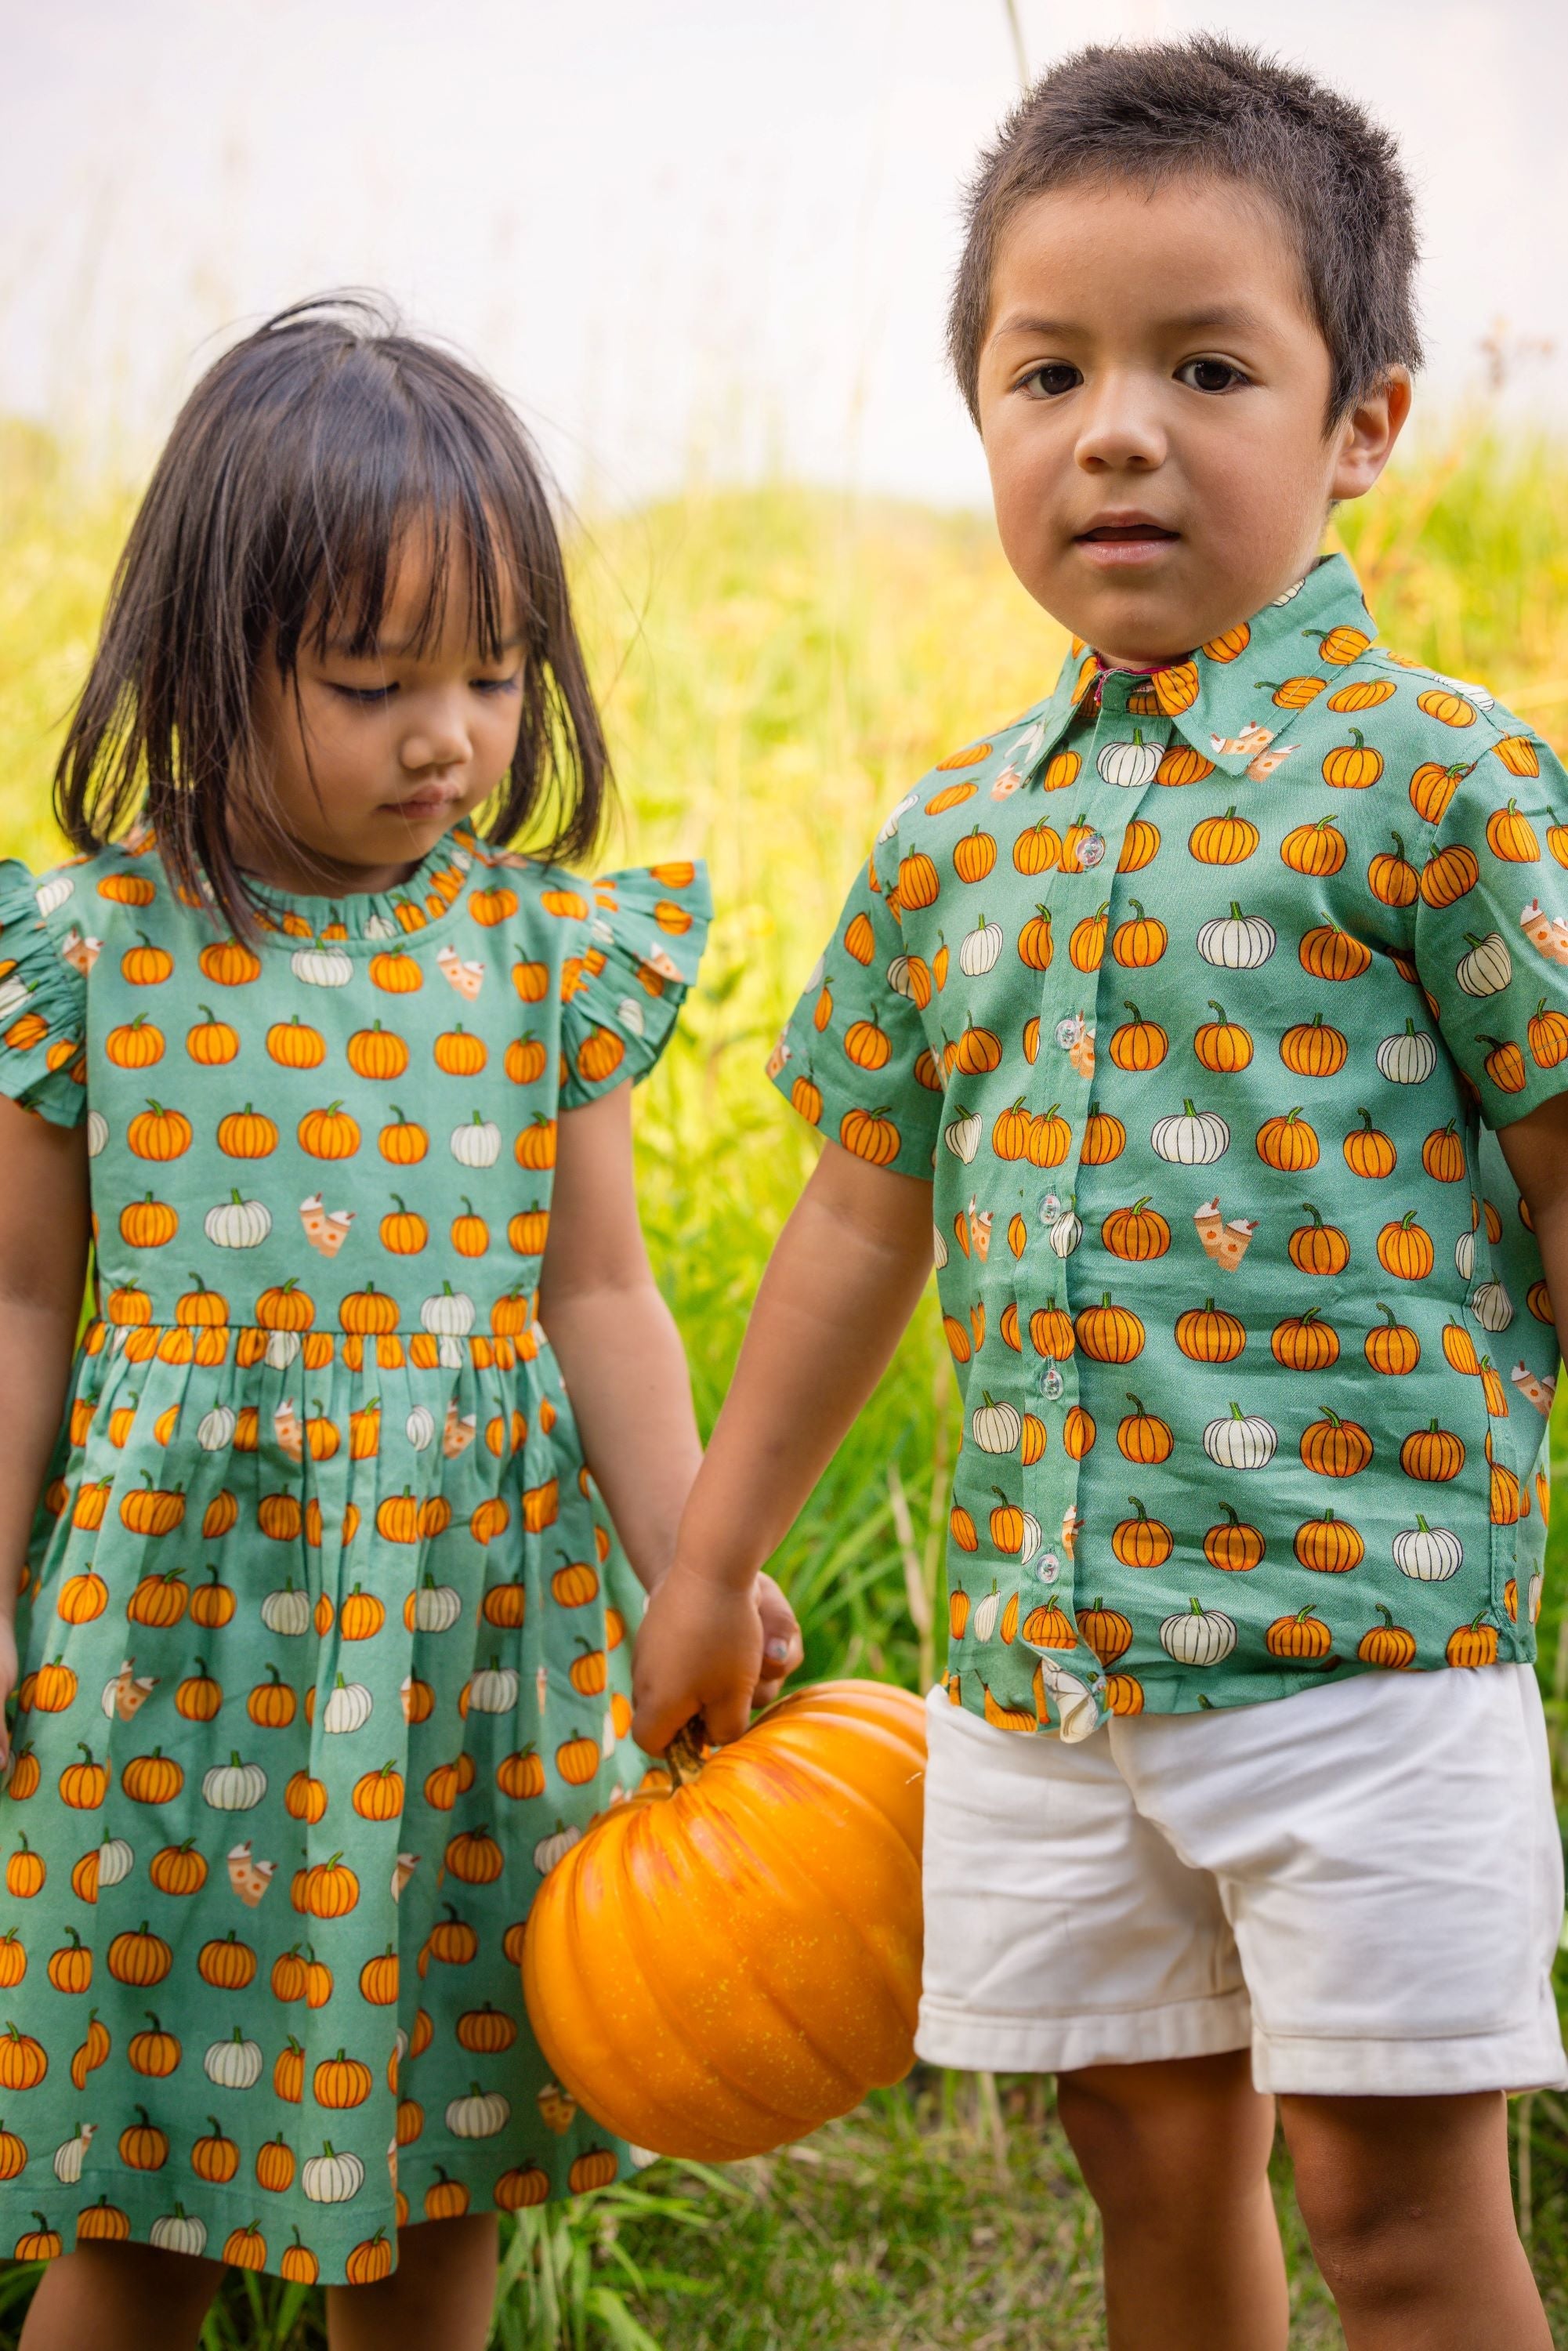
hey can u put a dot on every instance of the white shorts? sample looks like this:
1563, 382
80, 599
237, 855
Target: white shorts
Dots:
1363, 1883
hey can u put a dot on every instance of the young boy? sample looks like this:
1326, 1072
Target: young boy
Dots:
1211, 1007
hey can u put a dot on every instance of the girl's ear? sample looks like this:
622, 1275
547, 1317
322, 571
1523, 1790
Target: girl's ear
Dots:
1367, 435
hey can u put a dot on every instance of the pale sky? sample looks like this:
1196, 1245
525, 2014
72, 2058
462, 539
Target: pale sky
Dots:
701, 237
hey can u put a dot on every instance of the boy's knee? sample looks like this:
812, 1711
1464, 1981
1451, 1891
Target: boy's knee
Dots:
1149, 2136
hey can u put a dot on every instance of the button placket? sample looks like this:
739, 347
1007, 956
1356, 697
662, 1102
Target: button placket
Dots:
1121, 753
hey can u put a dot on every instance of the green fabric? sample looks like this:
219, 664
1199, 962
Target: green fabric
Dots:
319, 1533
1137, 978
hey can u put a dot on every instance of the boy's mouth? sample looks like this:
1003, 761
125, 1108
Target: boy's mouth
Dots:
1116, 541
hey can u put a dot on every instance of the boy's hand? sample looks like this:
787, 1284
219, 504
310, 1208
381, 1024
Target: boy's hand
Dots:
704, 1648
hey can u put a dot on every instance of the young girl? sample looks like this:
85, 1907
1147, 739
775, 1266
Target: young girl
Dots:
321, 1628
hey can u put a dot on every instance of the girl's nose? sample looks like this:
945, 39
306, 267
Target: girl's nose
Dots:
1120, 426
439, 738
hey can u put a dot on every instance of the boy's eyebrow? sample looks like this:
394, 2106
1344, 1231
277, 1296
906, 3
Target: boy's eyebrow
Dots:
1221, 318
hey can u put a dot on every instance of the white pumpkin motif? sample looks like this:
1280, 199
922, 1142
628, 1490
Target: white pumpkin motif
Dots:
1064, 1229
1194, 1138
436, 1607
629, 1014
349, 1708
233, 1787
1408, 1060
216, 1430
986, 1614
1465, 1255
1488, 967
97, 1134
478, 2116
962, 1136
494, 1689
420, 1427
322, 967
282, 1350
234, 2064
330, 2179
1430, 1554
1243, 1441
178, 2232
888, 827
996, 1428
449, 1315
1077, 1713
287, 1612
1237, 942
1491, 1306
553, 1848
237, 1223
52, 895
381, 927
938, 1248
1201, 1636
1132, 765
477, 1144
115, 1861
1032, 1538
978, 949
71, 2154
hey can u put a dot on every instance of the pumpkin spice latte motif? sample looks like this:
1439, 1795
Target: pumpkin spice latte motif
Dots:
1199, 992
325, 1633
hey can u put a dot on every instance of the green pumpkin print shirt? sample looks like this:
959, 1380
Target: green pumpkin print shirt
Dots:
1200, 994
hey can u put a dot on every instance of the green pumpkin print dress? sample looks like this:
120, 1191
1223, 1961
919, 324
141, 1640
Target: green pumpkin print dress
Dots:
324, 1642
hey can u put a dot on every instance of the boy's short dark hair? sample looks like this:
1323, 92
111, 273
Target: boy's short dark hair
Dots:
1209, 107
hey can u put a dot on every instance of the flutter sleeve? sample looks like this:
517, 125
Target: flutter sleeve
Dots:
43, 962
622, 993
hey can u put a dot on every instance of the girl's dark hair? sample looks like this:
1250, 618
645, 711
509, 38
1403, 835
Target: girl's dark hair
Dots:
1208, 106
291, 481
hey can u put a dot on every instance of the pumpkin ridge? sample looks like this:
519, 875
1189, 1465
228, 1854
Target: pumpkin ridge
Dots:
691, 2043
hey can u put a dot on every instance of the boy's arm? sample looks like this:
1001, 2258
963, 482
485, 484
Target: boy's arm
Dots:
838, 1288
1536, 1150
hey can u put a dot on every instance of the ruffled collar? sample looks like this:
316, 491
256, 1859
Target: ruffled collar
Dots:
425, 899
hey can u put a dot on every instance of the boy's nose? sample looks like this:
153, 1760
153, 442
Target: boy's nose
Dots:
1120, 426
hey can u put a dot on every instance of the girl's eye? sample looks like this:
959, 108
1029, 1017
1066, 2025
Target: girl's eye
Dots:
1051, 380
495, 685
1209, 375
367, 697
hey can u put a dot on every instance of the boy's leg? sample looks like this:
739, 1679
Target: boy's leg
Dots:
119, 2297
441, 2293
1408, 2206
1175, 2155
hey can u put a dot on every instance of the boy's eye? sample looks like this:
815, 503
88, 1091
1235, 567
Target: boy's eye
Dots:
1051, 380
1209, 375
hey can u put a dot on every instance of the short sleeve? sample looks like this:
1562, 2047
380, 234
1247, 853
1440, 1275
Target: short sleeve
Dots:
1491, 926
43, 996
622, 992
854, 1059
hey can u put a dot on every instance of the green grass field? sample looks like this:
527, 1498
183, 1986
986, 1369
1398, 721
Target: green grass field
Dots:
776, 667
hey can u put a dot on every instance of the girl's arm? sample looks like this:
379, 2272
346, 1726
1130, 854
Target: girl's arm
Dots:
622, 1361
839, 1287
43, 1265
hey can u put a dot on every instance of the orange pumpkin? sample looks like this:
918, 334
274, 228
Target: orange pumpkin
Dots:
1334, 1448
825, 1773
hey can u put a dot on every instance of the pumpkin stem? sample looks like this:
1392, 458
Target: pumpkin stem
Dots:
684, 1752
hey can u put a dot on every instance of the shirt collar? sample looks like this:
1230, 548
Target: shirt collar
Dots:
1223, 699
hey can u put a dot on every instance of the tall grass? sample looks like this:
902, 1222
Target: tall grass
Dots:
776, 667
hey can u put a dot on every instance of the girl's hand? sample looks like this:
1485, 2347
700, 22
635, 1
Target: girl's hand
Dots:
701, 1649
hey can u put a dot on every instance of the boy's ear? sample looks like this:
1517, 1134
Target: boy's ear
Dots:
1366, 434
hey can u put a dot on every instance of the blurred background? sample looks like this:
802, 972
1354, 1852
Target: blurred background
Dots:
710, 237
705, 247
